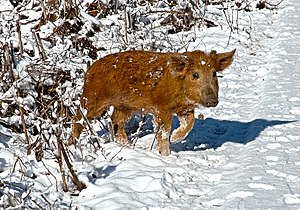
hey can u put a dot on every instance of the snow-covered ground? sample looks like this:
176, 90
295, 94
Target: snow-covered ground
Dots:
244, 155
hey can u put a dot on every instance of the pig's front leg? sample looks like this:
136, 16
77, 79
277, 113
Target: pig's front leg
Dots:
186, 125
119, 117
163, 125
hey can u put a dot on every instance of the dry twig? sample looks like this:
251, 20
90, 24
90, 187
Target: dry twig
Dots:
60, 161
39, 45
19, 35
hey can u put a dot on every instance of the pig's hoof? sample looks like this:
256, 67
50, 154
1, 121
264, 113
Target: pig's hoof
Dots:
123, 141
175, 140
164, 151
72, 140
177, 136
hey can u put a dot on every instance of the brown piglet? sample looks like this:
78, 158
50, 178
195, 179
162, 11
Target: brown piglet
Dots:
163, 84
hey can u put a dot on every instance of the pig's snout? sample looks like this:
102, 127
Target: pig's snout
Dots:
210, 98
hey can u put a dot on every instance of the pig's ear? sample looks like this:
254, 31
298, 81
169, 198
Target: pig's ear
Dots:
224, 59
178, 65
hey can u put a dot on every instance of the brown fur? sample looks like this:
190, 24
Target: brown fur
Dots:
160, 83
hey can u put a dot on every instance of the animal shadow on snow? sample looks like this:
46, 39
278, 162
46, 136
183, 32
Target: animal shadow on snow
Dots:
206, 134
3, 143
212, 133
4, 139
101, 172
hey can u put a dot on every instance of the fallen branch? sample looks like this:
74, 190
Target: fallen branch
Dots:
80, 186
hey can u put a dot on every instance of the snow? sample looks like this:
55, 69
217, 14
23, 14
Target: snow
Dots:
243, 155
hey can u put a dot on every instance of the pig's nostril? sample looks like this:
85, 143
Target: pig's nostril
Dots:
212, 103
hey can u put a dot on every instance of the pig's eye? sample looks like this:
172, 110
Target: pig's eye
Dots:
195, 75
214, 74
